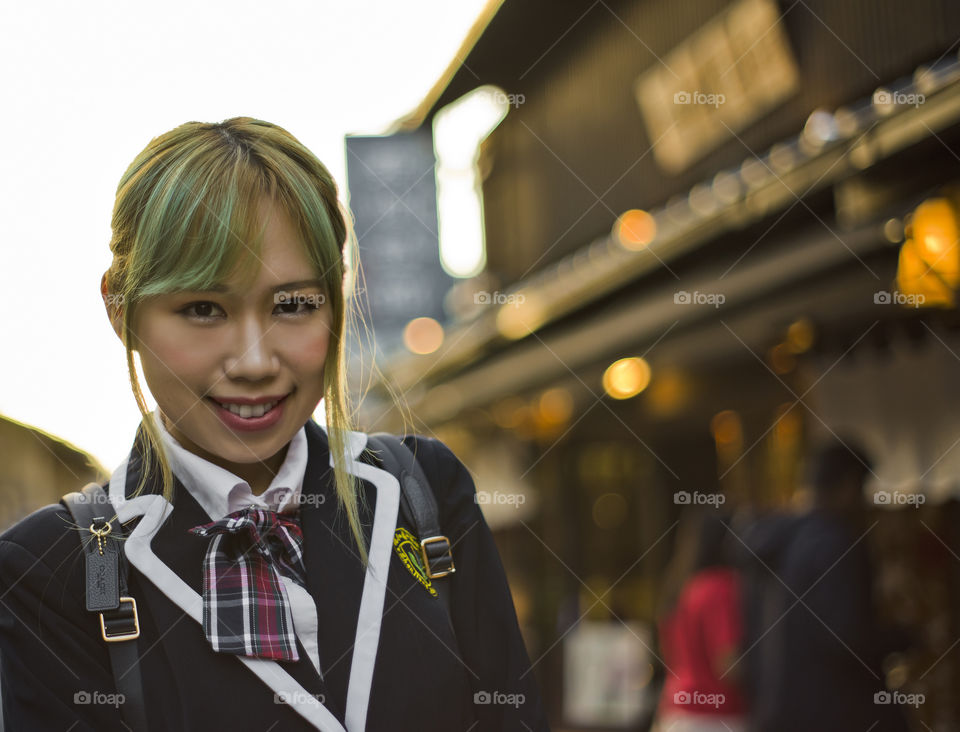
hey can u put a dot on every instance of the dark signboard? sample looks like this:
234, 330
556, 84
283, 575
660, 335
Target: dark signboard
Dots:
393, 196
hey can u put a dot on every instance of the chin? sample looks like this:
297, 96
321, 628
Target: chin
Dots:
248, 454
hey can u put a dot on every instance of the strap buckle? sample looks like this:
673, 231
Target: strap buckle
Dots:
442, 556
126, 618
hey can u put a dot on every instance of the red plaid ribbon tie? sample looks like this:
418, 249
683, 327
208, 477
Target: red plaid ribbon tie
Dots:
245, 606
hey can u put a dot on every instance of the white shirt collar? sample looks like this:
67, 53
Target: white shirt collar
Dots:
219, 492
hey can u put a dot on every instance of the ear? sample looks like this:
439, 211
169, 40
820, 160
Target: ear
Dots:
114, 309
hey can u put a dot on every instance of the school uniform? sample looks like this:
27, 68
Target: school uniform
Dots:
382, 655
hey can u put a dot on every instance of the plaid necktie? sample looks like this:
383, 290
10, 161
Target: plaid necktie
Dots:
245, 606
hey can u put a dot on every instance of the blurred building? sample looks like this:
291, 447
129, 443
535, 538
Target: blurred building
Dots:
37, 468
709, 232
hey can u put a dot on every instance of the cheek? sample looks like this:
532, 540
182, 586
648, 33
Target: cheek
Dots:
309, 353
174, 360
168, 354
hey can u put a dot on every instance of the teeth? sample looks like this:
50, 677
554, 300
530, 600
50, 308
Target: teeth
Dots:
248, 411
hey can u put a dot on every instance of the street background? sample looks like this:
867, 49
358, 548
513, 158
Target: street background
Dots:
636, 262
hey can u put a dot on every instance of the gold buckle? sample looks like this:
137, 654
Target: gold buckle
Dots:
426, 560
122, 636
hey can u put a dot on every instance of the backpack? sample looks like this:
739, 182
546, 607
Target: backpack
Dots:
107, 570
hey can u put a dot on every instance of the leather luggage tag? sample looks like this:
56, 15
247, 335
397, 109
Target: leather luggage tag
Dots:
103, 591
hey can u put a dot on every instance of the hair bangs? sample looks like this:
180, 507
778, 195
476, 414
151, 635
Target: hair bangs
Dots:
200, 224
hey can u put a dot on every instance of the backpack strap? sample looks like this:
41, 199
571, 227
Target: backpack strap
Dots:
107, 594
419, 506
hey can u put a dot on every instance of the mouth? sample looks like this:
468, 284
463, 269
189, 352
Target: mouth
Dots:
249, 412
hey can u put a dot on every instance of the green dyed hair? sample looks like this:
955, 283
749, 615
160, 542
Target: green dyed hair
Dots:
186, 216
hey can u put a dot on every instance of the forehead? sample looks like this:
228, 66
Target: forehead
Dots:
282, 251
280, 258
280, 267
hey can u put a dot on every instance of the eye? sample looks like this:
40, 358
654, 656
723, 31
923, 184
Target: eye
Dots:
204, 310
298, 304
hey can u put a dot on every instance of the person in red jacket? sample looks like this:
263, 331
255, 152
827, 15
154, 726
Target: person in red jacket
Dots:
701, 629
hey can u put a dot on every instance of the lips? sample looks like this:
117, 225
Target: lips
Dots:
238, 416
249, 407
250, 400
247, 410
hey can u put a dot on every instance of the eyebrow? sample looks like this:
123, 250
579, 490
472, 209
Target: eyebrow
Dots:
299, 284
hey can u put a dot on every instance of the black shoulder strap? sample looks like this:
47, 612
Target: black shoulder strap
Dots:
419, 506
106, 572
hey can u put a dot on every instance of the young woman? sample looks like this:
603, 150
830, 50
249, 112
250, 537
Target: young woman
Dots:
230, 279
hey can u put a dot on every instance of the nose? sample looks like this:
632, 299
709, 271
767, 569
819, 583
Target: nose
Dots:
253, 357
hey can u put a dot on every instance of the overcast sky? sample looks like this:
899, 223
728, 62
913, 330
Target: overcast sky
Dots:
86, 85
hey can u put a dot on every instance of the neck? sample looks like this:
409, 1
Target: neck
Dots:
257, 475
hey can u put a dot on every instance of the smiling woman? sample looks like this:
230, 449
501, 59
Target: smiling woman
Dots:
281, 539
193, 214
240, 367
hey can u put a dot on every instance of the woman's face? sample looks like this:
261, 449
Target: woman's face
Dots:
215, 360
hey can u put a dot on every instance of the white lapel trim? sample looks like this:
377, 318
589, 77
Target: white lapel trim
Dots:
370, 617
155, 509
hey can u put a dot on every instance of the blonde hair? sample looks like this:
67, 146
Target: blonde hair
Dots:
186, 214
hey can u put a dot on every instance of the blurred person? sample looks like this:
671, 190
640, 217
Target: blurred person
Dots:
765, 538
277, 581
701, 630
815, 649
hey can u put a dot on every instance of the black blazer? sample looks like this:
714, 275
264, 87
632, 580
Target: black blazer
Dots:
402, 667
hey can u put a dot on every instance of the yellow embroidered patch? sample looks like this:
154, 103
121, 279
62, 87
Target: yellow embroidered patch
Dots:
407, 547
